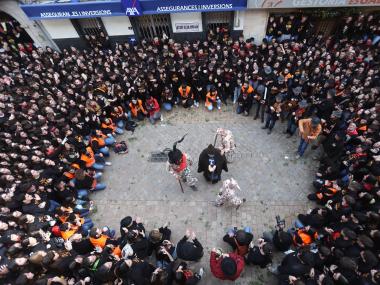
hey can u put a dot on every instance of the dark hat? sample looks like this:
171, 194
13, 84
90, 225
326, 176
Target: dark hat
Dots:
228, 266
126, 222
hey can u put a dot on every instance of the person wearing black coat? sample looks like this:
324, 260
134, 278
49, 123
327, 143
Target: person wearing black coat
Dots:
211, 163
189, 248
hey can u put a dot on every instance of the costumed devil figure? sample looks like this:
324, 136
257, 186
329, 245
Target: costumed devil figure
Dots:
228, 194
227, 141
211, 163
179, 165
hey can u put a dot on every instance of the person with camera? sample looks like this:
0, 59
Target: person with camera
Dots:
239, 240
281, 239
153, 109
183, 275
261, 254
226, 266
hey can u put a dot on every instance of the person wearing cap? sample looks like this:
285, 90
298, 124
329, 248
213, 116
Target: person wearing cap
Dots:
226, 266
309, 131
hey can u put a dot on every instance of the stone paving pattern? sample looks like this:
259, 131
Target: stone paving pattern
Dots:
272, 181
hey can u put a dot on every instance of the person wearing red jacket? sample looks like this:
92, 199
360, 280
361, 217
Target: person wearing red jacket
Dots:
226, 266
153, 108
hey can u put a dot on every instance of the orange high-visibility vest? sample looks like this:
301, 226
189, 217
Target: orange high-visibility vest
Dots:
100, 140
136, 108
210, 98
186, 93
67, 234
88, 159
306, 239
249, 90
110, 125
117, 251
101, 241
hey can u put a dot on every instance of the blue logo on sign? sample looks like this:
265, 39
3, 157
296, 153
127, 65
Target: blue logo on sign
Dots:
132, 7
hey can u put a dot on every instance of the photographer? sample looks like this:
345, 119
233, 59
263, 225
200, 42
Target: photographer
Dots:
261, 254
226, 266
239, 240
281, 240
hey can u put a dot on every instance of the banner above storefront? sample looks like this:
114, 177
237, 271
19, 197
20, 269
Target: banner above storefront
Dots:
127, 7
264, 4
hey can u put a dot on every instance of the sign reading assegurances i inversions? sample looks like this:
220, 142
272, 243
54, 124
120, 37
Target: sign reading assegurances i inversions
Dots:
127, 7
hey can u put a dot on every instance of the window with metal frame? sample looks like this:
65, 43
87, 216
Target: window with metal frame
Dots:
150, 26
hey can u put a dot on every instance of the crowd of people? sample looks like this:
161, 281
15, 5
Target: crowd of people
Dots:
61, 113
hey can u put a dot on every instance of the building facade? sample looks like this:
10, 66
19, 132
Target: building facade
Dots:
62, 23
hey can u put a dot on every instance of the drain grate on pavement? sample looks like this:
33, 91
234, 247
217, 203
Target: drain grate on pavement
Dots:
159, 156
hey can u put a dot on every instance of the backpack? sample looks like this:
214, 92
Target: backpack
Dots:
120, 147
130, 125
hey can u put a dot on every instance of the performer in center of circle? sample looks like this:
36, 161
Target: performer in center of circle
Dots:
179, 165
211, 163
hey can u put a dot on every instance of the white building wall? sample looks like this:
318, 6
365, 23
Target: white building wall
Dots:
186, 18
255, 24
60, 29
40, 38
118, 26
239, 20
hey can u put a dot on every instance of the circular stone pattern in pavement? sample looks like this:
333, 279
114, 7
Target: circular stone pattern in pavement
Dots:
272, 181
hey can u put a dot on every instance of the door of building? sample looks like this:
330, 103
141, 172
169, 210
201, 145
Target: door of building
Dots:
215, 20
90, 26
150, 26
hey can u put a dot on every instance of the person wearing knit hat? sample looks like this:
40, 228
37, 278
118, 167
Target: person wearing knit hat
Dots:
226, 266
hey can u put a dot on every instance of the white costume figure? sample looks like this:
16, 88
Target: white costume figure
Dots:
228, 194
227, 143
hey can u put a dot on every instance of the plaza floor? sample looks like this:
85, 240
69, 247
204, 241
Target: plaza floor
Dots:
271, 179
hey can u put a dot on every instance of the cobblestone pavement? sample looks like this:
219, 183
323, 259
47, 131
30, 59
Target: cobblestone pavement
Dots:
272, 181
